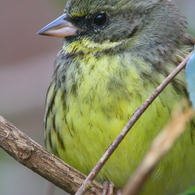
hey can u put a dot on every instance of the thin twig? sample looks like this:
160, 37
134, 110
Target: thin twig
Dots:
35, 157
137, 114
159, 147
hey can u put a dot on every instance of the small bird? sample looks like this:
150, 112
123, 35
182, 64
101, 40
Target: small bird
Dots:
114, 54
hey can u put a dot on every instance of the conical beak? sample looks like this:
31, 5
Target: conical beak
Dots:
61, 27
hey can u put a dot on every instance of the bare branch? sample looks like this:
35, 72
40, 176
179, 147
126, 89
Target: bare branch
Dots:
159, 147
137, 114
35, 157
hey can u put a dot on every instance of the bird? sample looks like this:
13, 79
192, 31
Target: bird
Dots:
113, 56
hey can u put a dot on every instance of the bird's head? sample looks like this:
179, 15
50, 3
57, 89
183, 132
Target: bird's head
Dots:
138, 22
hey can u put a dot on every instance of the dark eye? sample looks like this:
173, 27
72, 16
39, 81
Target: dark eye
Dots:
100, 19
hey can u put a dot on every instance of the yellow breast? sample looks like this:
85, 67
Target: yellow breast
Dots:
96, 97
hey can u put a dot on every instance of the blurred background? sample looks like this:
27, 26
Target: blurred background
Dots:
26, 66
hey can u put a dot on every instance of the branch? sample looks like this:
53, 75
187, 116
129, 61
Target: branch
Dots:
137, 114
35, 157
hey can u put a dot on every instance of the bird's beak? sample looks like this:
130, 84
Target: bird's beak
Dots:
61, 27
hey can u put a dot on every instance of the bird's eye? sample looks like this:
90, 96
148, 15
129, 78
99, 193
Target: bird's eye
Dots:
100, 19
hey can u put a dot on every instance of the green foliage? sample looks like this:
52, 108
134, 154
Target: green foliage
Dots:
190, 191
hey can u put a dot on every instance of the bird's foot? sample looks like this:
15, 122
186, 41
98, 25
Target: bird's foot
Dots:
110, 189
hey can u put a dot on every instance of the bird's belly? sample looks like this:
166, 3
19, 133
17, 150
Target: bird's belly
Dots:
81, 127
